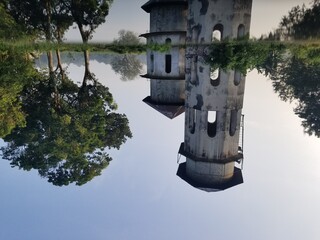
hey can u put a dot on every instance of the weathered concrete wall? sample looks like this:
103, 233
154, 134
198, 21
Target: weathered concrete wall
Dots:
209, 173
168, 18
204, 15
167, 91
202, 93
211, 148
156, 67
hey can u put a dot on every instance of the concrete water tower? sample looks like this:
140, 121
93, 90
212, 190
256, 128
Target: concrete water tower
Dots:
213, 101
166, 70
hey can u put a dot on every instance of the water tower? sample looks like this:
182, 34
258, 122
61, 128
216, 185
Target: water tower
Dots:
214, 99
166, 69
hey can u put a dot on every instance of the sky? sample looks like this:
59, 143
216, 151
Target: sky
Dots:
128, 15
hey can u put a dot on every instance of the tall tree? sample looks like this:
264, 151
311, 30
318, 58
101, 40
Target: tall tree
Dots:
9, 28
294, 79
88, 15
301, 22
127, 38
48, 18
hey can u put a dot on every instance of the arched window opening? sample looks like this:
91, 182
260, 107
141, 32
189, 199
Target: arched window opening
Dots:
151, 63
215, 77
216, 36
237, 77
212, 116
241, 31
168, 63
233, 122
212, 124
217, 33
192, 120
168, 41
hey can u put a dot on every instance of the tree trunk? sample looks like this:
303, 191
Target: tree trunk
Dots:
60, 64
50, 61
84, 34
86, 65
53, 80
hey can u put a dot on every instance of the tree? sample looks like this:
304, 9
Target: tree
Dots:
294, 79
9, 28
16, 72
67, 131
49, 18
309, 26
301, 22
88, 15
127, 38
127, 65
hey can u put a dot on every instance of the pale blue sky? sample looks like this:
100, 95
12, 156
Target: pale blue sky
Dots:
128, 15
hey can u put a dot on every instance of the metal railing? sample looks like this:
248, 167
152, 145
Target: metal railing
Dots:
241, 139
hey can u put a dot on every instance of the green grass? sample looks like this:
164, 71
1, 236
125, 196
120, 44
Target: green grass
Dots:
303, 49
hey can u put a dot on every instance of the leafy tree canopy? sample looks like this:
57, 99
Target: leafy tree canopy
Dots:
127, 38
46, 19
300, 23
9, 28
88, 15
16, 71
67, 129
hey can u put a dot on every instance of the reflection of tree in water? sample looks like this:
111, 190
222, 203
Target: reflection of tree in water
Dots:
127, 65
67, 129
294, 71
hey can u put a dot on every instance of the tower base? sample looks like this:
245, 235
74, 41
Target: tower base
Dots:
235, 179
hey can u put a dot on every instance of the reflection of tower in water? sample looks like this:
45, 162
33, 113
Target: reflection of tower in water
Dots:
213, 101
166, 70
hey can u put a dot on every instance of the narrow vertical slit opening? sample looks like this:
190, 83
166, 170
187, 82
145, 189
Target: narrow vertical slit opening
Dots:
233, 122
241, 31
192, 120
212, 124
237, 77
168, 64
151, 63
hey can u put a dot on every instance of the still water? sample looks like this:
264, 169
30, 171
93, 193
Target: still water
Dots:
139, 195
